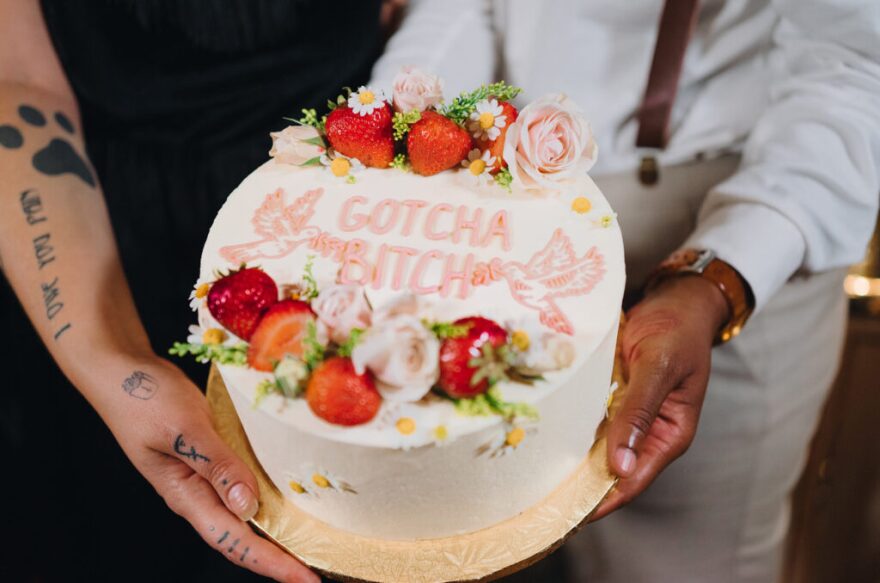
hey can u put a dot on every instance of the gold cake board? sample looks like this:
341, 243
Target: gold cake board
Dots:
484, 555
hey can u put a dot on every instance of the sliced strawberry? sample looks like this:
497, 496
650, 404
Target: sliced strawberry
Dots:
337, 394
237, 300
467, 367
369, 138
279, 333
496, 146
436, 143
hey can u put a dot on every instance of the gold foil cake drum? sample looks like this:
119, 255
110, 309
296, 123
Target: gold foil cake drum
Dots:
414, 314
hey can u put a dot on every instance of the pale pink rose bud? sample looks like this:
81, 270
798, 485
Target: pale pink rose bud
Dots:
290, 145
413, 89
550, 143
403, 355
342, 308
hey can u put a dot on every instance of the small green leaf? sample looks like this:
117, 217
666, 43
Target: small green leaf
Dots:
316, 141
347, 347
316, 161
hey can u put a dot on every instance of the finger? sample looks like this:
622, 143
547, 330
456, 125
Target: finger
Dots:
202, 449
195, 500
651, 378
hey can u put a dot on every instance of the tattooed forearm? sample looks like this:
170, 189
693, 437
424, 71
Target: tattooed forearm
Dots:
140, 385
44, 253
191, 453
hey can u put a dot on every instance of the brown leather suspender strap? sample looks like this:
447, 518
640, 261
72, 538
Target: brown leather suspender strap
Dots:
677, 24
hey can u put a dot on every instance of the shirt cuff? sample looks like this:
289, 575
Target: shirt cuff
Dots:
763, 245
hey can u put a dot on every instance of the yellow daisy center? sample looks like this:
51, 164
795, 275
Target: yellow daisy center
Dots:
520, 339
440, 433
405, 425
487, 120
581, 205
213, 336
366, 97
296, 487
477, 167
203, 290
320, 481
340, 167
515, 436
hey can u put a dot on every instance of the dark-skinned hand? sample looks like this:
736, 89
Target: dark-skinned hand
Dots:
666, 348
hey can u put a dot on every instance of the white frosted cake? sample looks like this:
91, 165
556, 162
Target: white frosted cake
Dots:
417, 333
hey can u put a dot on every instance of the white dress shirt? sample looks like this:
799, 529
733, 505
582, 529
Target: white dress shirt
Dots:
792, 84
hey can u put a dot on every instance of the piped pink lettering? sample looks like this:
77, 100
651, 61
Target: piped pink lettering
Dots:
415, 280
498, 228
379, 267
430, 223
412, 208
349, 222
464, 276
376, 220
353, 258
403, 255
462, 223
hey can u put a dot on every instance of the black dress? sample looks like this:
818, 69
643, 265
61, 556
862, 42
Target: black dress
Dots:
178, 98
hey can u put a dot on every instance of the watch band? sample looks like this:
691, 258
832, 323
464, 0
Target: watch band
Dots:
704, 263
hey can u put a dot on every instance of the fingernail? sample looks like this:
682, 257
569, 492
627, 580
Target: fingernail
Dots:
626, 460
243, 501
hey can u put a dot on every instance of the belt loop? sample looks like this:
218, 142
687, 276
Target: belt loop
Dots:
649, 167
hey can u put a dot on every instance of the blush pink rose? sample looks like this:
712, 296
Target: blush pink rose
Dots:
403, 355
342, 308
289, 146
549, 143
416, 90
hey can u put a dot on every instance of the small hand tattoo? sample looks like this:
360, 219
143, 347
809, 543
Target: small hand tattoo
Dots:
223, 538
140, 385
179, 447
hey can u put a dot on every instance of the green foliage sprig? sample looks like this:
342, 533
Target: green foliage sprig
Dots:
313, 353
310, 118
402, 122
310, 284
492, 403
354, 338
401, 162
460, 109
235, 355
444, 330
504, 178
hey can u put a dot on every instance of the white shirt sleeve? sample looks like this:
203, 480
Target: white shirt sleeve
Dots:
806, 196
450, 38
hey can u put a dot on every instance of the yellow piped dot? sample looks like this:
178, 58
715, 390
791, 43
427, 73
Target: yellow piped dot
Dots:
515, 436
366, 97
296, 487
213, 336
203, 290
340, 167
441, 433
320, 481
606, 221
520, 339
581, 205
405, 425
477, 167
487, 120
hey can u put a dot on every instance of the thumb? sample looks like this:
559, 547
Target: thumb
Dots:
207, 454
651, 378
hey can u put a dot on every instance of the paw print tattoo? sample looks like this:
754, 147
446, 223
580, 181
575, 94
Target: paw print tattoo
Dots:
55, 158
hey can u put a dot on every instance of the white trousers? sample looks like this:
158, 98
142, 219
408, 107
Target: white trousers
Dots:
720, 513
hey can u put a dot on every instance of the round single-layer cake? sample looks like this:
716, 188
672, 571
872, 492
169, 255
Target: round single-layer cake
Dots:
412, 354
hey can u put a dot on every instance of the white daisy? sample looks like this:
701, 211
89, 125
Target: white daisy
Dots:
342, 166
366, 100
198, 294
201, 335
313, 481
488, 120
507, 439
478, 164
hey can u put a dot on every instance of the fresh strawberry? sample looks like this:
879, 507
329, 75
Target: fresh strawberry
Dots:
496, 146
467, 367
337, 394
279, 333
436, 143
369, 138
238, 300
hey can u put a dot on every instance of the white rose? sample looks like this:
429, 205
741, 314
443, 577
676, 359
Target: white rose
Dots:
341, 308
403, 355
289, 146
538, 350
550, 142
416, 90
